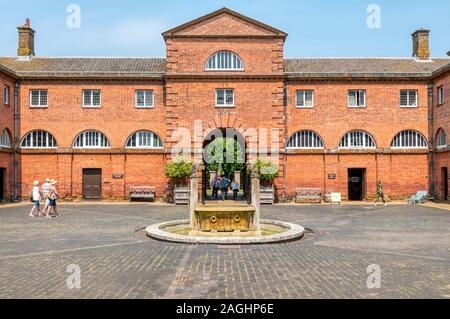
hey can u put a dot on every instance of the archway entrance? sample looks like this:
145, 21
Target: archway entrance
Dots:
224, 157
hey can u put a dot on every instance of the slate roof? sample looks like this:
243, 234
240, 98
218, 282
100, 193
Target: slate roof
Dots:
126, 67
363, 67
110, 67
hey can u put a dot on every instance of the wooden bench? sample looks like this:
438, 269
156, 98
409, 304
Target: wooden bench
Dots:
143, 192
308, 195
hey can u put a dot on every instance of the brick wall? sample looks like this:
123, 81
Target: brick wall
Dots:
7, 121
441, 119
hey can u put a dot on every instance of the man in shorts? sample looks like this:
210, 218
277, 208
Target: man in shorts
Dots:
44, 190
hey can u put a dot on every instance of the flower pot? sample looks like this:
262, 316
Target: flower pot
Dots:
267, 195
181, 195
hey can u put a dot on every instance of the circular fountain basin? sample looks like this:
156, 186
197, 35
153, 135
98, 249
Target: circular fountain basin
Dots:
271, 232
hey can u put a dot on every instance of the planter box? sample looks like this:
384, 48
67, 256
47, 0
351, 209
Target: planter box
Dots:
181, 196
267, 195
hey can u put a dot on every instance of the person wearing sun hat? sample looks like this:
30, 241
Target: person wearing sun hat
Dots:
52, 195
44, 191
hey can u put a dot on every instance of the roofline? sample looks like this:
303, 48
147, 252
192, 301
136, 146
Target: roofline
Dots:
170, 33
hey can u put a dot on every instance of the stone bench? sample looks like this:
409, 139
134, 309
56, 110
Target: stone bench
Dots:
143, 192
308, 195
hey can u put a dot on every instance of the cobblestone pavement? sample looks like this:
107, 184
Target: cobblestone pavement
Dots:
410, 244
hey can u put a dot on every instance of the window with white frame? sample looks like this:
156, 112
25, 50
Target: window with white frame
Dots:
305, 140
144, 139
357, 140
39, 98
441, 140
224, 61
4, 139
92, 98
305, 98
39, 139
91, 139
409, 139
440, 91
144, 99
357, 98
6, 93
408, 98
225, 97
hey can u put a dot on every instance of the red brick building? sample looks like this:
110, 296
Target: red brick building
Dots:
100, 125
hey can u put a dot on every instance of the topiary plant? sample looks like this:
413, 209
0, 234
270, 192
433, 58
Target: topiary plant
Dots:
179, 169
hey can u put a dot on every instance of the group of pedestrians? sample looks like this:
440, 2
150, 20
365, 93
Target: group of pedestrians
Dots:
224, 184
49, 194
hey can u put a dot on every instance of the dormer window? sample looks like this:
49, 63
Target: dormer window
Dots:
224, 61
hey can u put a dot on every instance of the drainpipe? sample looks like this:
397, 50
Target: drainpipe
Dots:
431, 140
16, 142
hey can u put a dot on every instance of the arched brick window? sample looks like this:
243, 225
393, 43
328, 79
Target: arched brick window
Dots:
305, 140
39, 139
224, 61
441, 140
144, 139
357, 140
409, 139
5, 140
91, 139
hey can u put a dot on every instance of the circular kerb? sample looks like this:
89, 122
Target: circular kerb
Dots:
157, 231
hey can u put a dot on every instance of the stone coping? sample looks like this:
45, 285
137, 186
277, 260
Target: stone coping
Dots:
156, 232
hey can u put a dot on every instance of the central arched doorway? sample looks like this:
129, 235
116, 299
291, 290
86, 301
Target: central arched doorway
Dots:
224, 155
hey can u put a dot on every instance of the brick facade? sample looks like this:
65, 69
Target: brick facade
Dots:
265, 98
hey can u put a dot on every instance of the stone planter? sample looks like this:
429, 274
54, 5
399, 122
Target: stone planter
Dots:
267, 195
181, 195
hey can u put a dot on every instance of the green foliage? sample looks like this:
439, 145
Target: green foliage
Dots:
267, 170
224, 156
179, 169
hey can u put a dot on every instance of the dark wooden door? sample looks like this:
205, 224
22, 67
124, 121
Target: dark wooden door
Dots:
2, 183
356, 184
92, 183
445, 183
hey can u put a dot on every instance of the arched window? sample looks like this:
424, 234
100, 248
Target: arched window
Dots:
357, 140
441, 140
224, 61
39, 139
144, 139
91, 139
305, 140
5, 140
409, 139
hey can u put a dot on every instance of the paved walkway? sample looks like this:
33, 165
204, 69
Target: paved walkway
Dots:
411, 245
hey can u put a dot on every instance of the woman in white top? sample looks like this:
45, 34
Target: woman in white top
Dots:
36, 197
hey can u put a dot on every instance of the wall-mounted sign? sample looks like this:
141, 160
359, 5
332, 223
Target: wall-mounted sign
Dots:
117, 176
331, 176
354, 179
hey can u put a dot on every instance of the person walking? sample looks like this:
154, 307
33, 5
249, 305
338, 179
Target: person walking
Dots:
44, 190
380, 193
235, 188
52, 195
215, 187
36, 197
223, 187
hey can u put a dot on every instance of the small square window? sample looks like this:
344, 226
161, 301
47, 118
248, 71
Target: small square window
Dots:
305, 99
39, 98
144, 98
225, 97
408, 98
91, 98
440, 91
357, 98
6, 94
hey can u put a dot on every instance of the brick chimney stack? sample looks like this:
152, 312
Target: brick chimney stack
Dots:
421, 44
26, 40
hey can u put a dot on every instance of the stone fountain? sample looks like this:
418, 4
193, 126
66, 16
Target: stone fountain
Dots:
225, 222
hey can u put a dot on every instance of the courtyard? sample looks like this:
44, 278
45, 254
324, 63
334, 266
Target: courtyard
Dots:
410, 244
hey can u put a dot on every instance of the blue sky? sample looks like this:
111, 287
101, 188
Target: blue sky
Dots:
315, 27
